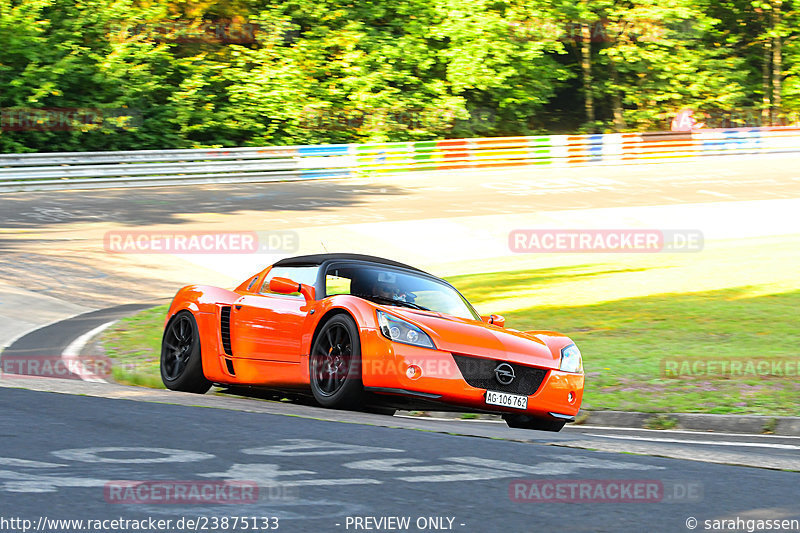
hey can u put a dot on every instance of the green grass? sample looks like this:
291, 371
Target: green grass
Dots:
661, 422
626, 342
628, 315
134, 345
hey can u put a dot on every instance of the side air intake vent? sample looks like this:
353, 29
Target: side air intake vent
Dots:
225, 328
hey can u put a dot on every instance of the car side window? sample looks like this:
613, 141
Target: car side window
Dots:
305, 275
336, 285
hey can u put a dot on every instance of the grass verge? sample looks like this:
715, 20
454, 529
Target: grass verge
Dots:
134, 346
626, 342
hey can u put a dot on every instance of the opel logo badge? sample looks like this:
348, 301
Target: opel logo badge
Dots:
504, 373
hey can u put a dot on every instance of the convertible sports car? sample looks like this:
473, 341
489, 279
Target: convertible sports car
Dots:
364, 332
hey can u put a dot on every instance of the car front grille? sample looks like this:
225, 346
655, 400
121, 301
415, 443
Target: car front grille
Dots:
480, 373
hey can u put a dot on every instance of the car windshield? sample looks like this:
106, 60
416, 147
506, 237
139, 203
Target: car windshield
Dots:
395, 287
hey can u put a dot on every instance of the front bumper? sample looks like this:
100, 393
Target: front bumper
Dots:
438, 378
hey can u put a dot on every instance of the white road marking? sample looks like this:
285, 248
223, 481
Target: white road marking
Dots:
71, 354
429, 472
92, 455
21, 482
670, 431
449, 469
695, 442
305, 447
567, 466
268, 474
583, 428
13, 461
479, 468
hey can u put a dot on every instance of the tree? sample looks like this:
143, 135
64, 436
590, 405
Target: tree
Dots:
660, 56
180, 73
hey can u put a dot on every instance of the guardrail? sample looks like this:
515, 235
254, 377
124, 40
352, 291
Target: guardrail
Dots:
86, 170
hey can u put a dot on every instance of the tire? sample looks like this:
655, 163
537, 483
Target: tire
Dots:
529, 422
335, 364
181, 363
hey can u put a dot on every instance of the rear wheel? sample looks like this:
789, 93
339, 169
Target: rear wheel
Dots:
181, 364
335, 364
529, 422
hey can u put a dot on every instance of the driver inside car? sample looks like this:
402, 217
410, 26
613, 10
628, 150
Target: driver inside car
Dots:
385, 289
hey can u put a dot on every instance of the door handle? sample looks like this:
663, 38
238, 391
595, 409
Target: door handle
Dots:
238, 306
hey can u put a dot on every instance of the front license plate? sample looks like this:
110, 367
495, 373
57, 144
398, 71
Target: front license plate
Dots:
506, 400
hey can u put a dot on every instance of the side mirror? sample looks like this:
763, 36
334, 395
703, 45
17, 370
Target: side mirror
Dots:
287, 286
497, 320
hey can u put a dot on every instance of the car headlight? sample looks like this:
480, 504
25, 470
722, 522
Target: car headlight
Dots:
571, 360
398, 330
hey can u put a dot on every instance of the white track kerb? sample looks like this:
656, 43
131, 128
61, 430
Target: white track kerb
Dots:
72, 353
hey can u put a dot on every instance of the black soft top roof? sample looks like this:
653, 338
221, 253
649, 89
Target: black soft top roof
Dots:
318, 259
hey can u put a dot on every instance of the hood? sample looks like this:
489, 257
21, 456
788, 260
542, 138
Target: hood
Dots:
471, 337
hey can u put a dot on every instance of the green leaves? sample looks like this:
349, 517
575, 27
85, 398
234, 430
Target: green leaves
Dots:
247, 72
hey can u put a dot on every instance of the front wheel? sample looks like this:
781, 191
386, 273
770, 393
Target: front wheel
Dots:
181, 364
335, 364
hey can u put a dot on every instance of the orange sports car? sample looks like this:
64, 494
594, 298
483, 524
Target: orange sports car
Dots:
364, 332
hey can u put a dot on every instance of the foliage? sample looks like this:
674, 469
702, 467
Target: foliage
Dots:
174, 74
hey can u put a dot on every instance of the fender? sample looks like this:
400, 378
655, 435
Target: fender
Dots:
555, 341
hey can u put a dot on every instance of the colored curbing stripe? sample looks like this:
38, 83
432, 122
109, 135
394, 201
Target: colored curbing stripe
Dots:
324, 149
545, 149
315, 173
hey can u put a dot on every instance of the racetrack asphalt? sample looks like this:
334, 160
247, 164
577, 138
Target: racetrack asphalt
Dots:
53, 246
314, 473
417, 195
52, 340
53, 242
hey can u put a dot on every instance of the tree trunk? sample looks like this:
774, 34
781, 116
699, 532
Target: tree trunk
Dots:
766, 100
616, 100
777, 61
586, 65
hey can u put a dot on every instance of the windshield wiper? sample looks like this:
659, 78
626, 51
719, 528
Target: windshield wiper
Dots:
392, 301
